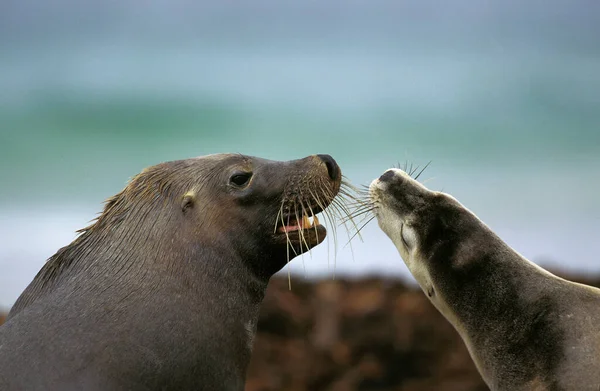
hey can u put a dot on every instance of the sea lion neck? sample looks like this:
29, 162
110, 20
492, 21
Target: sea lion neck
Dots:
221, 266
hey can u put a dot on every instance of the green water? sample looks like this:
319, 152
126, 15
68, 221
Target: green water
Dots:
503, 97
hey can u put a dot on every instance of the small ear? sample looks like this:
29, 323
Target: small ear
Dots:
188, 201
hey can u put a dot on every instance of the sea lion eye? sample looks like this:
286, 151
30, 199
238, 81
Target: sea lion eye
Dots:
407, 235
240, 178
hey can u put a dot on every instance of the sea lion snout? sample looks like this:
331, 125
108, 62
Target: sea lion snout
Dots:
394, 175
313, 184
387, 176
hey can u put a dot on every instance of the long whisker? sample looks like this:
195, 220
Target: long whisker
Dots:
301, 231
304, 213
314, 225
339, 209
419, 174
331, 221
363, 226
355, 215
322, 207
279, 214
349, 217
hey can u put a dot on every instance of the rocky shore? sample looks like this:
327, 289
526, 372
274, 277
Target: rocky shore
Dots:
368, 334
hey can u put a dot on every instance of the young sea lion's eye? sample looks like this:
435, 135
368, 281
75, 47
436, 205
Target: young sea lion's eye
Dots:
240, 178
407, 235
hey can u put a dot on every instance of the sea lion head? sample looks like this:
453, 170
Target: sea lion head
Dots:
256, 207
434, 234
209, 216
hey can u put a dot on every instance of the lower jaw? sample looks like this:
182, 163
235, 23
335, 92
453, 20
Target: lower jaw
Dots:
304, 240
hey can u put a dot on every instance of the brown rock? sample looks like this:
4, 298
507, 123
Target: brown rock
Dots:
371, 334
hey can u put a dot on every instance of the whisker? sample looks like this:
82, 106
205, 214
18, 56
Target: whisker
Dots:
314, 225
279, 214
331, 220
356, 215
287, 236
349, 217
304, 213
300, 232
363, 226
419, 174
322, 207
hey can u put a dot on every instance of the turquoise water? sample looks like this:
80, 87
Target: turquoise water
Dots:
503, 97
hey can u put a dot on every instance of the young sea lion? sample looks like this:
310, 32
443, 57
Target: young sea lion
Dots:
162, 292
525, 328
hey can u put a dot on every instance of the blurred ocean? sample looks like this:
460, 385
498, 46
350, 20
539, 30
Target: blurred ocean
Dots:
502, 96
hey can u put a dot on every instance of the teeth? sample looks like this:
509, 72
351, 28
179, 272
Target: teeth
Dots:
305, 222
309, 222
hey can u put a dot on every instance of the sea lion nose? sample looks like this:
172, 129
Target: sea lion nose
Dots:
387, 176
332, 168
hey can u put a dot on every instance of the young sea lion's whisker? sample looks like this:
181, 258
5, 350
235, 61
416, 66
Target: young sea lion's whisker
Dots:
363, 217
361, 228
350, 197
354, 196
346, 196
402, 166
348, 189
362, 205
348, 192
419, 174
412, 169
363, 192
361, 209
358, 215
363, 199
347, 216
338, 202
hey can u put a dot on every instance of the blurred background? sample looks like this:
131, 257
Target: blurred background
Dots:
503, 96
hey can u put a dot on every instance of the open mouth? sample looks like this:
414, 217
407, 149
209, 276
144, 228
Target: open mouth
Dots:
303, 230
297, 225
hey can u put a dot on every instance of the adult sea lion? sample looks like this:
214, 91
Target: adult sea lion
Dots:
525, 328
162, 292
